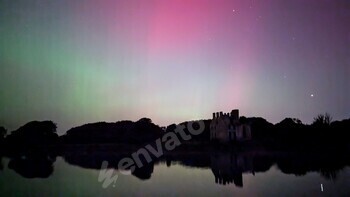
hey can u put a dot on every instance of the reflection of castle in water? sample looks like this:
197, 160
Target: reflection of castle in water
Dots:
228, 168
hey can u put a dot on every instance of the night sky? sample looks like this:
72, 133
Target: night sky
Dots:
75, 62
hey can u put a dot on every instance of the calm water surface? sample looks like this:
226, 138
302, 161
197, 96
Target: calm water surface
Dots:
174, 180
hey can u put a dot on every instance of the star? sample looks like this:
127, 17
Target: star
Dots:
312, 95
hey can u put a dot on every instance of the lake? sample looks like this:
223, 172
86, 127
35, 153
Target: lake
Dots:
206, 173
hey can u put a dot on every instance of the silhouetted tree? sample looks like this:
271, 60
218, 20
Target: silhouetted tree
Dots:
119, 132
322, 120
261, 128
1, 164
243, 120
202, 137
289, 123
146, 131
145, 120
343, 125
170, 128
2, 131
34, 133
298, 121
2, 134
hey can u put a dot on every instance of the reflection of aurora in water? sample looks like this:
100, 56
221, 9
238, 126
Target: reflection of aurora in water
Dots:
250, 171
226, 166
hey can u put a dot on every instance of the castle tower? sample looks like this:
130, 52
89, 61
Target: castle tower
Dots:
235, 114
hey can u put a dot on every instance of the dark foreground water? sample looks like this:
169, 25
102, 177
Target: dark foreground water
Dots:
183, 174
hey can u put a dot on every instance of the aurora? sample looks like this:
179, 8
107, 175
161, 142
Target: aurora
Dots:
76, 62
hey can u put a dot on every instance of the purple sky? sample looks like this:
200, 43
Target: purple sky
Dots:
76, 62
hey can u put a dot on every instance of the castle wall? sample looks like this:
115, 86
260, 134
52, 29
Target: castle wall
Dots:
225, 128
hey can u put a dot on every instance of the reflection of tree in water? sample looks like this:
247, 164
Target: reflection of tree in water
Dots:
94, 160
1, 164
327, 164
33, 166
227, 166
145, 172
330, 174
